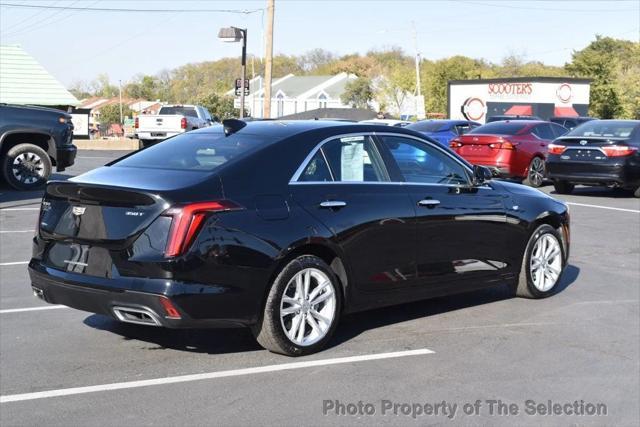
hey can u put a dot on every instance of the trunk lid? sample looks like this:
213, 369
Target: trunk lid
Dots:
89, 213
159, 123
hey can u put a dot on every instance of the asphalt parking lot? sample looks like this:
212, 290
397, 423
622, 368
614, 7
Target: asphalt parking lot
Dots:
65, 367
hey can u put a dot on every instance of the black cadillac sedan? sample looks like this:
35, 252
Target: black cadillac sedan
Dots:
283, 227
598, 152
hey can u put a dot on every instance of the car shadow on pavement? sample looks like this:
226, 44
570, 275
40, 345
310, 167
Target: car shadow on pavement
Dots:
357, 323
237, 340
614, 193
211, 341
11, 198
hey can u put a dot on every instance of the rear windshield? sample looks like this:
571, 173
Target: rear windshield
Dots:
614, 129
427, 126
499, 128
195, 151
183, 111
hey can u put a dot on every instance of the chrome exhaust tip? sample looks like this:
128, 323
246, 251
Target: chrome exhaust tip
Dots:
139, 316
38, 293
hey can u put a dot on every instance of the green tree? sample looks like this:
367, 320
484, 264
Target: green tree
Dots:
358, 93
603, 60
219, 106
110, 114
143, 87
101, 86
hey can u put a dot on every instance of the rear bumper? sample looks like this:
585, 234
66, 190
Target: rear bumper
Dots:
65, 157
157, 135
101, 296
625, 174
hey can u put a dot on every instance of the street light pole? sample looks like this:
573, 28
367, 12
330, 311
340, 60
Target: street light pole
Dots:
244, 70
233, 34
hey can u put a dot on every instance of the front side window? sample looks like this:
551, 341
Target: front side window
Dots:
354, 159
420, 163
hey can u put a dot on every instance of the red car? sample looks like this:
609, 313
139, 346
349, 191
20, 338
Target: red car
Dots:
511, 149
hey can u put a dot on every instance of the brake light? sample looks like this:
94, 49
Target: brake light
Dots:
618, 150
455, 143
187, 221
507, 145
183, 123
137, 123
556, 149
170, 309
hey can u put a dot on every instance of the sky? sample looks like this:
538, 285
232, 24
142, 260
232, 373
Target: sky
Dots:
77, 45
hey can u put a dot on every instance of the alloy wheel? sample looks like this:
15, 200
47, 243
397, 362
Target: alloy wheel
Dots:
536, 172
546, 262
308, 307
28, 168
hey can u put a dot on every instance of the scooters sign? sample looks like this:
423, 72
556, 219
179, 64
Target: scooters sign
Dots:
510, 90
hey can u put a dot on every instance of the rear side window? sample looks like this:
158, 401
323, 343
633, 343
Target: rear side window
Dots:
317, 170
544, 131
355, 159
499, 128
200, 151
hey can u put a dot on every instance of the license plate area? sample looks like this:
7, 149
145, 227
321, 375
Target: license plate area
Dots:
583, 155
158, 134
80, 259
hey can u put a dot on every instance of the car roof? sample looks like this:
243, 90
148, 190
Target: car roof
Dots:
280, 129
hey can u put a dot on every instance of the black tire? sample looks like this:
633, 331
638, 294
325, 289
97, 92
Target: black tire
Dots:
525, 287
270, 332
535, 173
33, 170
142, 143
563, 187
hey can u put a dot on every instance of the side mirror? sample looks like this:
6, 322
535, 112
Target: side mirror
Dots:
481, 174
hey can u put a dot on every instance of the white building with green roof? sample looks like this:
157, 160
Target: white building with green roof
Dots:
24, 81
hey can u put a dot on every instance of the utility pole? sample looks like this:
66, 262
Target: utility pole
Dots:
419, 98
268, 61
120, 96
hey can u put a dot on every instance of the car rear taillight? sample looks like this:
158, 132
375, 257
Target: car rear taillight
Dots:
183, 123
507, 145
618, 150
137, 123
455, 143
187, 221
556, 149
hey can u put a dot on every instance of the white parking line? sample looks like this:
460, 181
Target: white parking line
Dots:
18, 209
21, 310
2, 264
603, 207
16, 231
210, 375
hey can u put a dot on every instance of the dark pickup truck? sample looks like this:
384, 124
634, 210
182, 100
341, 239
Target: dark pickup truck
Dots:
32, 140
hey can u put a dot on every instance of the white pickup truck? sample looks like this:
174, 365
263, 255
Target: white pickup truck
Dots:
171, 120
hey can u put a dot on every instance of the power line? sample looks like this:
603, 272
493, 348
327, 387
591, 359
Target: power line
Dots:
547, 9
40, 23
120, 9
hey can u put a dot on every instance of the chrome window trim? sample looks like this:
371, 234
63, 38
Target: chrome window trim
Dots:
296, 176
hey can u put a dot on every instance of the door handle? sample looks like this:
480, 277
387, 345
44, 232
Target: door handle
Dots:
333, 204
429, 203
